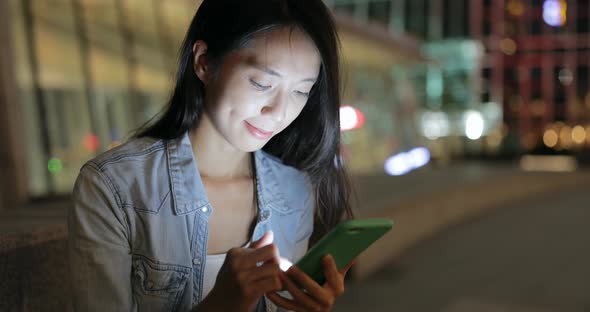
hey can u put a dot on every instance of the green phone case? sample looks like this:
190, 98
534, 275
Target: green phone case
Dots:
345, 242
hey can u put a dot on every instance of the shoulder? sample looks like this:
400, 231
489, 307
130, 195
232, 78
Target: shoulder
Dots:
134, 174
131, 151
136, 167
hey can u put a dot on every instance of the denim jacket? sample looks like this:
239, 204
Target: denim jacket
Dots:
138, 228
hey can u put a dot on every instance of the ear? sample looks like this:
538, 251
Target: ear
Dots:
200, 64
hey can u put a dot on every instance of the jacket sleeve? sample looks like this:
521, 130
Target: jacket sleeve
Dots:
98, 246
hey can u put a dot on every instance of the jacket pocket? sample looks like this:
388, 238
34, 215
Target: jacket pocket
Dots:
158, 286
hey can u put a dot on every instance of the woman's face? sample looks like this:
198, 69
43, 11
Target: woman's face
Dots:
260, 89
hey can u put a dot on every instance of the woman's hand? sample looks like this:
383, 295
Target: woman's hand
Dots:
309, 295
245, 276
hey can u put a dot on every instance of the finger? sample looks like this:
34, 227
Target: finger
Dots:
298, 294
268, 253
306, 282
284, 302
269, 270
263, 286
330, 271
334, 280
347, 267
266, 239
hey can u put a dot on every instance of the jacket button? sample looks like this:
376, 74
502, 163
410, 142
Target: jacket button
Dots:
204, 209
150, 284
196, 261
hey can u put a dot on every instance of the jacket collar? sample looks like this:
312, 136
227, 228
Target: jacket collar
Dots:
188, 191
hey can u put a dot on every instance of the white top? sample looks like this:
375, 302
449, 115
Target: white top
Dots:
213, 264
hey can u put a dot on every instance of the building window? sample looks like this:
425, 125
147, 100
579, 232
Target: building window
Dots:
536, 27
416, 17
486, 28
581, 79
75, 79
536, 73
537, 3
346, 8
486, 85
510, 75
583, 24
379, 11
456, 18
559, 95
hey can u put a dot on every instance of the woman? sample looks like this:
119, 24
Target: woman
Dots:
239, 173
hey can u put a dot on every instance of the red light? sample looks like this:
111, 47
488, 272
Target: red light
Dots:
91, 142
351, 118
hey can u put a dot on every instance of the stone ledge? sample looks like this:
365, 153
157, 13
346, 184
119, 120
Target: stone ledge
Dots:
422, 217
35, 236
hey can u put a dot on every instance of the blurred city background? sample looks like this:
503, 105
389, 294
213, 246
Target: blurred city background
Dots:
466, 121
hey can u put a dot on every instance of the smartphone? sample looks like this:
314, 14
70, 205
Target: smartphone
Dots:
344, 242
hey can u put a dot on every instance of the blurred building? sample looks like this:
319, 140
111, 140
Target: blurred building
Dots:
526, 61
84, 75
77, 77
537, 57
453, 116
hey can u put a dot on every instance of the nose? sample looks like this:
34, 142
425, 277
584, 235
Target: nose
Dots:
276, 107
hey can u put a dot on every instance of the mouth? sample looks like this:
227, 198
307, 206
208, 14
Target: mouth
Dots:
257, 132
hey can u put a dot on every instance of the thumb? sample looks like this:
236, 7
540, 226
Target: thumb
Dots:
266, 239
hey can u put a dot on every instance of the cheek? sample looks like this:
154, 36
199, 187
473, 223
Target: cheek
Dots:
238, 105
244, 107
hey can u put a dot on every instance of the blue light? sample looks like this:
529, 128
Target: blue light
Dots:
554, 12
420, 156
398, 165
404, 163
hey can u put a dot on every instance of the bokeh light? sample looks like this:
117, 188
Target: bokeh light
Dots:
515, 7
494, 138
474, 125
550, 138
565, 76
405, 162
55, 166
91, 142
565, 137
508, 46
350, 118
435, 125
579, 134
554, 12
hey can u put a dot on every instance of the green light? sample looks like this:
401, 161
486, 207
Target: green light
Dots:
434, 83
55, 166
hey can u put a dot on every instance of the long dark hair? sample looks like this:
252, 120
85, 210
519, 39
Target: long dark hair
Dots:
312, 142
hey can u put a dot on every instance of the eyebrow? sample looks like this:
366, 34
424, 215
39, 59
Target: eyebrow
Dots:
252, 62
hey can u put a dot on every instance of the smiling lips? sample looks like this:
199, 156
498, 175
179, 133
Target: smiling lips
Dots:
258, 133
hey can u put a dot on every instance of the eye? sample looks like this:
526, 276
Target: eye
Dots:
258, 85
301, 93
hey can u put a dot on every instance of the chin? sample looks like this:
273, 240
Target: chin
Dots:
249, 145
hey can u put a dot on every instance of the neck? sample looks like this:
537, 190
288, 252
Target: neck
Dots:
217, 158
